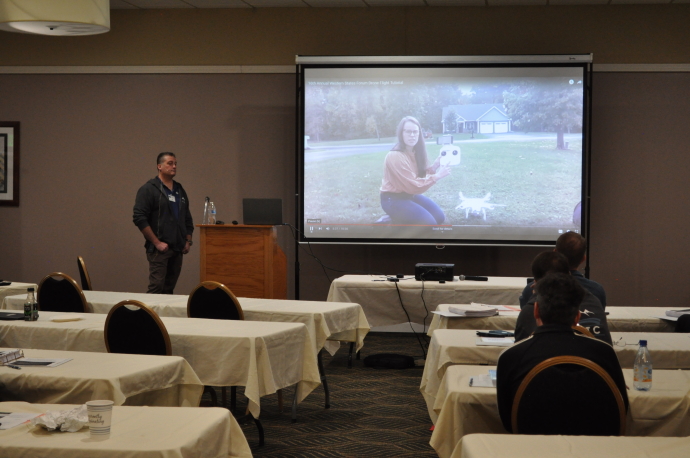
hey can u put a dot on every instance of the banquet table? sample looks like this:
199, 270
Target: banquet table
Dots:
124, 379
379, 297
524, 446
16, 288
453, 346
462, 410
142, 432
323, 319
619, 319
261, 356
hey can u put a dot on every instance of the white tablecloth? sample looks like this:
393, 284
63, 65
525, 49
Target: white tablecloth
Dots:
16, 288
124, 379
451, 346
462, 410
141, 432
323, 319
620, 319
524, 446
263, 357
381, 303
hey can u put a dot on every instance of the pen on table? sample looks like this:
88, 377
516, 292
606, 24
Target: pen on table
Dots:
471, 380
13, 366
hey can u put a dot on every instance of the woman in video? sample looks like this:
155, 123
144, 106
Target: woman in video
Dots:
406, 175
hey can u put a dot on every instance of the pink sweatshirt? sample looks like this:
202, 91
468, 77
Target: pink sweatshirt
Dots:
400, 174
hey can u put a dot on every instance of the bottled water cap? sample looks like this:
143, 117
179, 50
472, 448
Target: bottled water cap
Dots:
643, 343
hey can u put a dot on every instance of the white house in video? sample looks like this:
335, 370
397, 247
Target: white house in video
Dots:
483, 118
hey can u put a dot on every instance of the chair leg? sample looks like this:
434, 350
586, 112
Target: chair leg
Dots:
233, 398
324, 382
280, 401
224, 396
260, 427
258, 424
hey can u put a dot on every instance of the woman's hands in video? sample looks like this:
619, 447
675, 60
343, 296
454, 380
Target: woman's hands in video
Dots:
442, 172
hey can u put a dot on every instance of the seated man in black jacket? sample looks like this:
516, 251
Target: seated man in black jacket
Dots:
574, 247
555, 312
593, 316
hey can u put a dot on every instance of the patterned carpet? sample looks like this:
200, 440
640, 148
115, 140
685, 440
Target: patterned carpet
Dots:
374, 412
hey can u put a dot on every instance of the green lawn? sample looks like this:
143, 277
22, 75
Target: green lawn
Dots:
538, 184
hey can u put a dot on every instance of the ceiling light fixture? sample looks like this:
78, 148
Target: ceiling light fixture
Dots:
55, 17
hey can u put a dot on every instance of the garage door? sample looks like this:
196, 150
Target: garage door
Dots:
486, 128
500, 127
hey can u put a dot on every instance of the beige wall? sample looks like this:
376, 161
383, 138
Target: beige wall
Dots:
273, 36
89, 141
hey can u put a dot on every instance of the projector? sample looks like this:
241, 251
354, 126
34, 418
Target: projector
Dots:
433, 272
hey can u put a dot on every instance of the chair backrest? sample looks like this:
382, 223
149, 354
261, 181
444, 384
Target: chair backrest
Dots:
683, 323
133, 328
568, 395
584, 331
58, 292
84, 275
214, 300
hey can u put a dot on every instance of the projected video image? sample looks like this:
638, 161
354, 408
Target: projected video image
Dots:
460, 153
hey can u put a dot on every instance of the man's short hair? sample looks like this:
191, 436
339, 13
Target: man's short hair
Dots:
161, 157
573, 246
549, 261
559, 296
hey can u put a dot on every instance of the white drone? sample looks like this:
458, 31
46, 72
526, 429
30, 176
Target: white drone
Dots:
476, 206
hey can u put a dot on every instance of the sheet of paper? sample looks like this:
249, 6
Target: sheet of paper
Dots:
10, 420
495, 341
42, 362
667, 318
481, 381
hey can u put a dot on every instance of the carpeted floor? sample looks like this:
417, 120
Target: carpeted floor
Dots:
374, 412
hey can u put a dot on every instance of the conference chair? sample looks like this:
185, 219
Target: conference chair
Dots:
568, 395
213, 300
84, 275
58, 292
584, 331
133, 328
683, 323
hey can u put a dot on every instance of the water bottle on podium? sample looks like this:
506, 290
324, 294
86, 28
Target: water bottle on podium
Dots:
642, 369
211, 213
205, 218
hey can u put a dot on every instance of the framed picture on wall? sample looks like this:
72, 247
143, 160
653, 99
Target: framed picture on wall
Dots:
9, 164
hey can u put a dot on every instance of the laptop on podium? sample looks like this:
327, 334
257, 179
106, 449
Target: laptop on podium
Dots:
262, 212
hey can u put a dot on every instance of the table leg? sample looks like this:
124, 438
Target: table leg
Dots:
324, 382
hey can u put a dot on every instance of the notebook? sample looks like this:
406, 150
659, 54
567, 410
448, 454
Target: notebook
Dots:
268, 212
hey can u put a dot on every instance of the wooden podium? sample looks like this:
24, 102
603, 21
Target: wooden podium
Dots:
246, 259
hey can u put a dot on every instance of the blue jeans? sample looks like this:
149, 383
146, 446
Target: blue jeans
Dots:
411, 209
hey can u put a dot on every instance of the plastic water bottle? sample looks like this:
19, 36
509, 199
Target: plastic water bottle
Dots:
211, 213
205, 219
29, 305
642, 369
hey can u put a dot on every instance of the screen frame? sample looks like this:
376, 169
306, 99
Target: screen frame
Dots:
303, 63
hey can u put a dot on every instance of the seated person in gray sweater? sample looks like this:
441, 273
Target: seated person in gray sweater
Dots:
574, 247
593, 317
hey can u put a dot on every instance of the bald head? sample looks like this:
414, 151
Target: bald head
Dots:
573, 246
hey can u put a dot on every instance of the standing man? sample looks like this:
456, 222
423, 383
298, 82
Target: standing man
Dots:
161, 212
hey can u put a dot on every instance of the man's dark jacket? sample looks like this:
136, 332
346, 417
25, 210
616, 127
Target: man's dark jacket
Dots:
151, 208
548, 341
590, 285
592, 317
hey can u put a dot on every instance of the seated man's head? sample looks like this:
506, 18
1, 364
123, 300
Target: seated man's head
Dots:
573, 246
558, 300
549, 261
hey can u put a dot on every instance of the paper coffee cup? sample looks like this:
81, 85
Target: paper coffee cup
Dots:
100, 415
